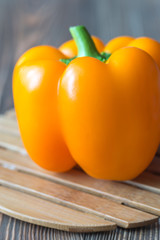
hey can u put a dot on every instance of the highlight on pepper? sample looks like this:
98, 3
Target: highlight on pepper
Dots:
90, 104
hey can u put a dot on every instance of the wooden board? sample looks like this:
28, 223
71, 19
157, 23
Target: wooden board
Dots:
71, 201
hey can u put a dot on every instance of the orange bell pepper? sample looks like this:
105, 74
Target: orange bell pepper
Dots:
35, 81
102, 111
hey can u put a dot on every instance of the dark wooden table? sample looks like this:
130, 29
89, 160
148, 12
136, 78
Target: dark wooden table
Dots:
12, 229
26, 23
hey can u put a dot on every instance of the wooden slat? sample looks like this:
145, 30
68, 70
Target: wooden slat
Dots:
123, 216
7, 125
120, 192
45, 213
148, 181
17, 158
11, 142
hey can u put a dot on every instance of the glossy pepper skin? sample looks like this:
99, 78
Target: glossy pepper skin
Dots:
149, 45
35, 80
105, 110
110, 113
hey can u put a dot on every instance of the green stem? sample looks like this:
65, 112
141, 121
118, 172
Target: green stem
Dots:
85, 45
84, 42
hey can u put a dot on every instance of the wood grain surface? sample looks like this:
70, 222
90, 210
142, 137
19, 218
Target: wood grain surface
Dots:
119, 192
122, 215
27, 207
26, 23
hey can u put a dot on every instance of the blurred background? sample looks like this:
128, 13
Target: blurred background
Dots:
27, 23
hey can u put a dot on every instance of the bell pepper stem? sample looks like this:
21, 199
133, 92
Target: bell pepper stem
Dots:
85, 45
84, 42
